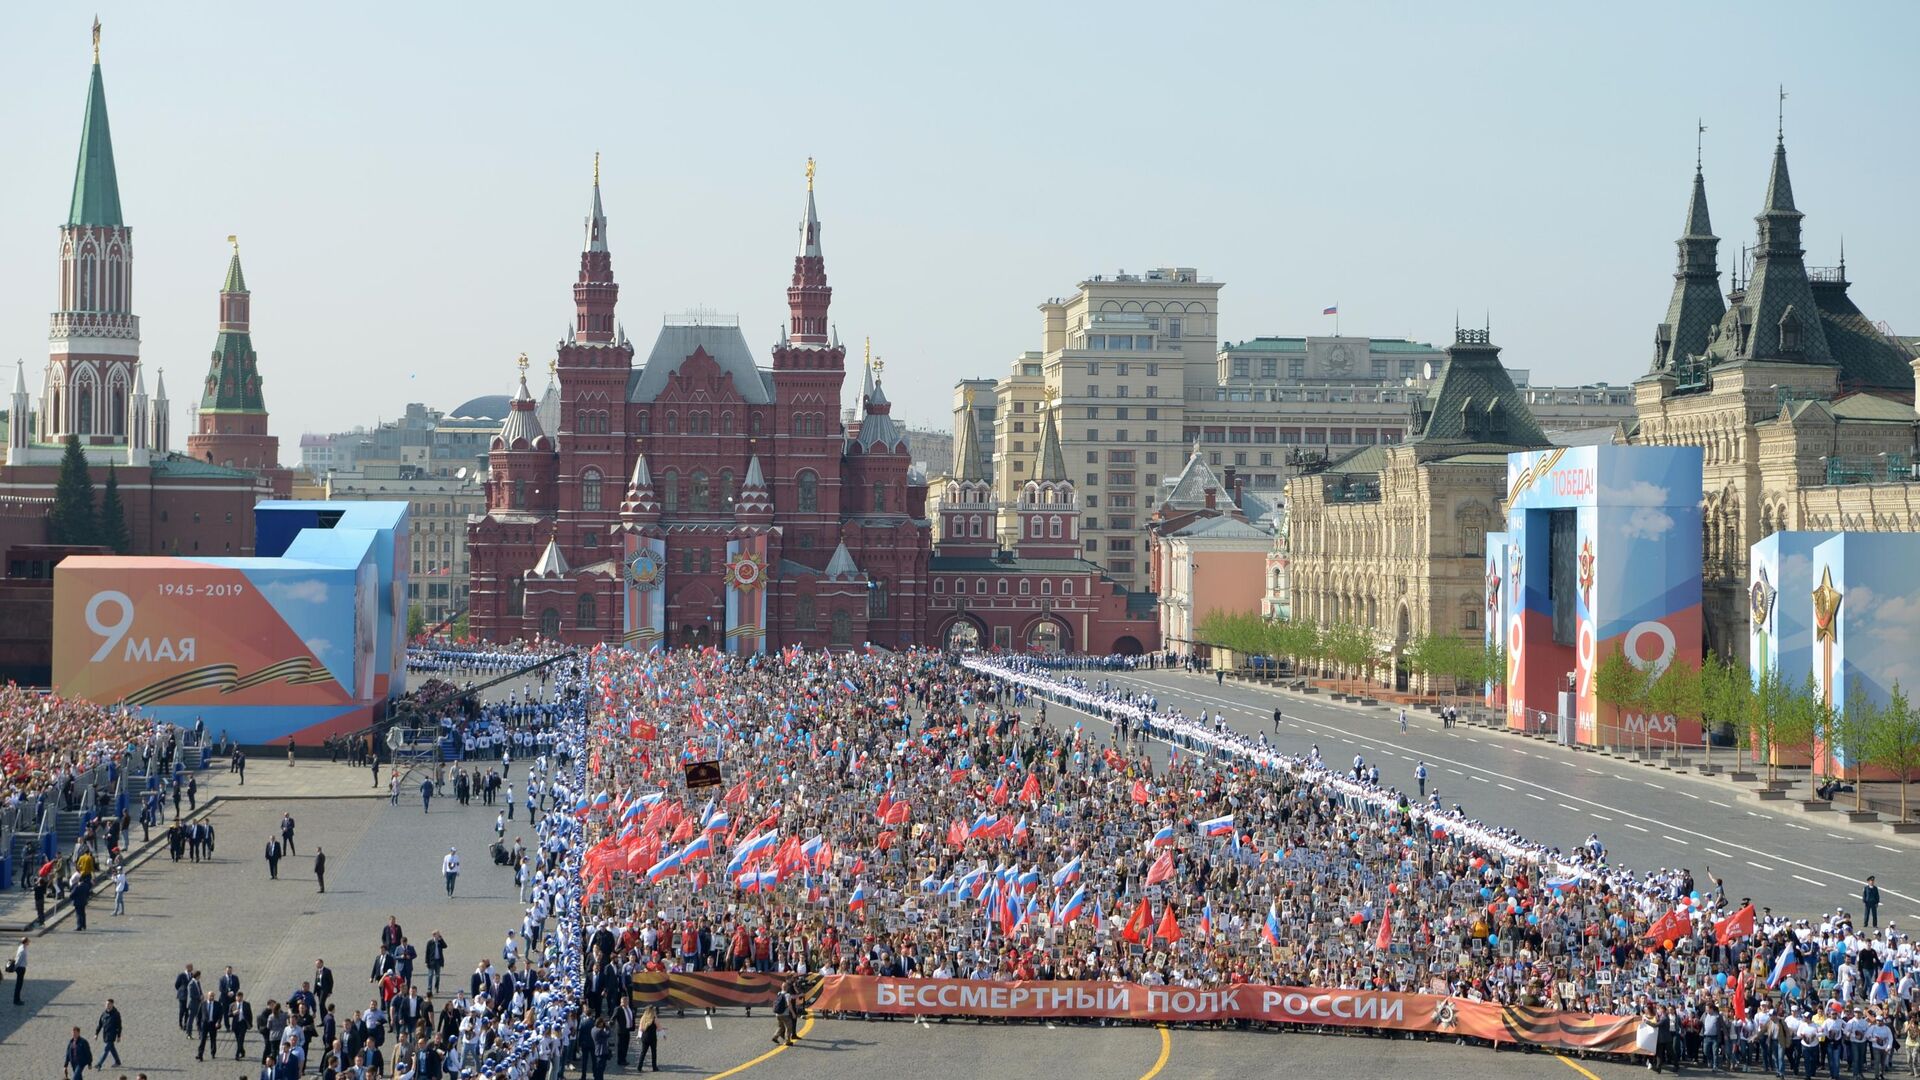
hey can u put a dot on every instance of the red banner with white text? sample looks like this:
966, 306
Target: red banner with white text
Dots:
1269, 1004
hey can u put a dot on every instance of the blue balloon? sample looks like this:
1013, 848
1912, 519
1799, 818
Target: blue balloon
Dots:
1493, 939
1486, 893
1533, 919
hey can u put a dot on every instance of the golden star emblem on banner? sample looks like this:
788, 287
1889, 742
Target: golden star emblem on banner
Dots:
1826, 606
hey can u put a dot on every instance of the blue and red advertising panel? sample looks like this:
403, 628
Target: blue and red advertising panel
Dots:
1618, 569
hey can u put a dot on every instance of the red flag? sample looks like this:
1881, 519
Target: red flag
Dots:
886, 804
1000, 792
859, 866
1385, 937
957, 834
642, 729
1738, 924
898, 813
1030, 791
1169, 926
1139, 923
884, 840
1667, 927
1740, 995
739, 792
683, 832
1161, 870
1140, 793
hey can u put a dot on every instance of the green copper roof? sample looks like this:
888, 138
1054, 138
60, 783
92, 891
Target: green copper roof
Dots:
1474, 399
96, 190
233, 383
236, 281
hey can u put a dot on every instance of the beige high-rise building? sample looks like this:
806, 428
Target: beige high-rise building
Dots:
1135, 366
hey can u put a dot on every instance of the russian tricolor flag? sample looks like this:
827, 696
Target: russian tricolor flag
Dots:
982, 824
750, 847
1067, 874
700, 848
1220, 826
1206, 920
1163, 838
1334, 310
1074, 905
1788, 964
665, 868
1271, 931
859, 898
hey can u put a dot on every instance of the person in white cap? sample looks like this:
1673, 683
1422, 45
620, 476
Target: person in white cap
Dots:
450, 866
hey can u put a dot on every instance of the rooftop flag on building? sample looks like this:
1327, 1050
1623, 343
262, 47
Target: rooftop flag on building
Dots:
1334, 310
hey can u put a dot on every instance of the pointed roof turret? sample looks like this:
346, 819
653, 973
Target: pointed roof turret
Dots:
553, 563
642, 476
810, 222
968, 466
236, 279
1049, 460
640, 501
521, 429
1778, 315
160, 385
1696, 305
753, 503
96, 188
19, 377
1474, 401
596, 217
842, 564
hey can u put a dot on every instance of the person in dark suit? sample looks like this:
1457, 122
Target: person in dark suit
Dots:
320, 867
82, 892
390, 934
213, 1016
240, 1021
273, 857
322, 983
79, 1056
623, 1024
180, 984
228, 986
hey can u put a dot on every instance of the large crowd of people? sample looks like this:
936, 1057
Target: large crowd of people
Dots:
921, 816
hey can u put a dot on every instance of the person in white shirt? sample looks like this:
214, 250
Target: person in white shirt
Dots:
1880, 1040
450, 866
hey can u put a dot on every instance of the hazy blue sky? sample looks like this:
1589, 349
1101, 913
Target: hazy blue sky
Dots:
408, 180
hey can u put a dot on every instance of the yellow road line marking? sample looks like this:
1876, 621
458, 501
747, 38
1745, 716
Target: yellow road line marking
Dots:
1576, 1067
776, 1051
1166, 1051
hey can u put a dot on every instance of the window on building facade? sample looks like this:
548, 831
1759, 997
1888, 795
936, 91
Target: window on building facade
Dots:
519, 494
1379, 368
670, 491
1296, 367
877, 601
550, 623
726, 489
699, 492
879, 498
642, 423
673, 423
803, 616
1093, 367
590, 490
842, 632
586, 612
1239, 367
726, 423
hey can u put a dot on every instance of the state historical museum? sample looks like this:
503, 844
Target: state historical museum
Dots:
695, 498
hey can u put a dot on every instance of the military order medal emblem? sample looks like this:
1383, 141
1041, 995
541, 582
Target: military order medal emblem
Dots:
745, 571
643, 570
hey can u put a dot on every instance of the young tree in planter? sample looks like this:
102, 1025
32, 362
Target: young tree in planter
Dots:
1417, 653
1894, 742
1676, 693
1619, 682
73, 520
416, 621
1761, 721
1493, 667
1725, 693
1850, 731
1798, 718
